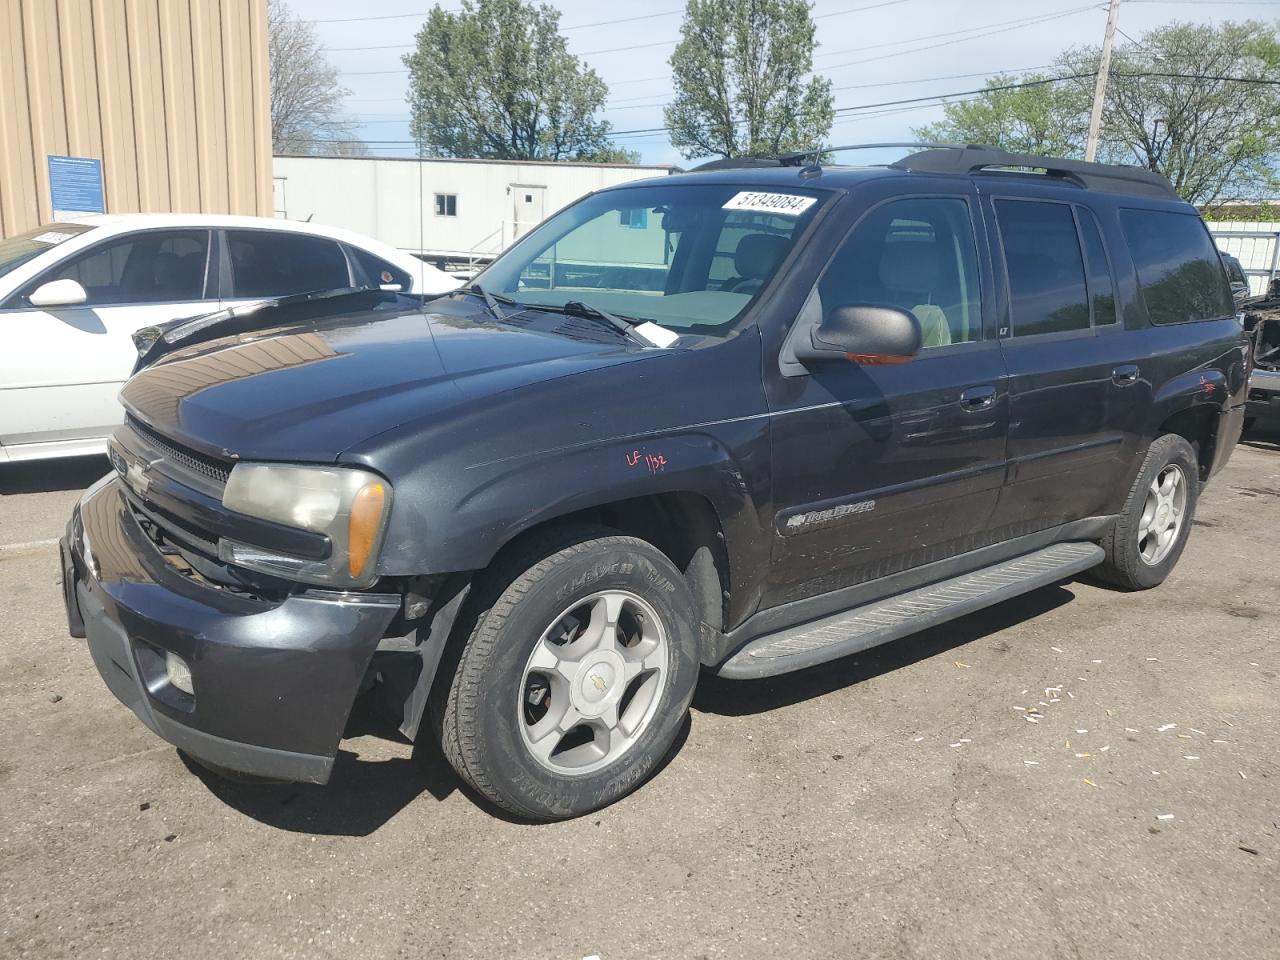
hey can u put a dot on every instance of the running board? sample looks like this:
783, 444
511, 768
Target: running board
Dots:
875, 623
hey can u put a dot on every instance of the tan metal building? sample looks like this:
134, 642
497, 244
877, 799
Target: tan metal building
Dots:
170, 95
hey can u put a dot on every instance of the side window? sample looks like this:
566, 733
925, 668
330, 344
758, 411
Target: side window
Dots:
160, 266
379, 272
1101, 288
266, 263
918, 255
1046, 272
1178, 267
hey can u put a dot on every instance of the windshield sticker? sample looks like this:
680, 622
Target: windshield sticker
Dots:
53, 236
786, 204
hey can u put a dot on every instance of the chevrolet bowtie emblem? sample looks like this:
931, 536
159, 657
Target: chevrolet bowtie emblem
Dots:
135, 476
598, 683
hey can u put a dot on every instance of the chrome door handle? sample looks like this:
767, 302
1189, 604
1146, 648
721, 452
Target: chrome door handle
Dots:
977, 398
1125, 375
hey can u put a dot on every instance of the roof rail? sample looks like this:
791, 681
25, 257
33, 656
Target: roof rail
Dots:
796, 158
737, 163
975, 158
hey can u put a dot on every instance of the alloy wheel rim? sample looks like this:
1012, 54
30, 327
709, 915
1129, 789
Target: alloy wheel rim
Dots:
1162, 514
591, 686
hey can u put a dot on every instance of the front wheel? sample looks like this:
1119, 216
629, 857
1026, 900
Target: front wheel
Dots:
576, 677
1148, 538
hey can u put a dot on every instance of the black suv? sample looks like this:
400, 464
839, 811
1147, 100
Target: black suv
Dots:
745, 420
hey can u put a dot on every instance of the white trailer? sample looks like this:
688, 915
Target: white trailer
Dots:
459, 212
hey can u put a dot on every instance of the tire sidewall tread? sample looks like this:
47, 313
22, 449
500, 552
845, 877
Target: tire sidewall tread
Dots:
1123, 566
479, 718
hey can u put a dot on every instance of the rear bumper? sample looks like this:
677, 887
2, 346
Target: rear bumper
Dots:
273, 680
1264, 394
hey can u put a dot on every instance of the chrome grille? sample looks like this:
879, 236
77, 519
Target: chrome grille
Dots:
192, 460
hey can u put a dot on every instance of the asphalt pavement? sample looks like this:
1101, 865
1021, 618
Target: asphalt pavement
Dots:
896, 804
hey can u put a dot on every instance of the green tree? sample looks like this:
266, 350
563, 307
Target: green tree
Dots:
496, 80
1049, 119
1169, 108
1215, 139
739, 73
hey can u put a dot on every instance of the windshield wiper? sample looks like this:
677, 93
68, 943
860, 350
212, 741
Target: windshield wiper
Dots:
644, 332
491, 300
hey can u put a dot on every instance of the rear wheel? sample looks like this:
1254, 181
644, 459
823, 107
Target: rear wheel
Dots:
1148, 538
576, 676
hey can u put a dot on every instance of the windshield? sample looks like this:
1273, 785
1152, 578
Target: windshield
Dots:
691, 257
15, 251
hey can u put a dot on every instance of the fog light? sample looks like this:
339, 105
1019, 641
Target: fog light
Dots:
179, 673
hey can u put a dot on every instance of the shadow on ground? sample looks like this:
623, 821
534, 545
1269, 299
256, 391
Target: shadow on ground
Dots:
44, 476
362, 795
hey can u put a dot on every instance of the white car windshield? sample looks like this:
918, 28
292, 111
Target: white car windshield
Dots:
17, 250
689, 256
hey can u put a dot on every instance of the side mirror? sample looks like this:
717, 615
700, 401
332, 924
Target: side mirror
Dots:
58, 293
863, 333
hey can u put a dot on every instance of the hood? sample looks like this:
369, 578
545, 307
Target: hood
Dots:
309, 389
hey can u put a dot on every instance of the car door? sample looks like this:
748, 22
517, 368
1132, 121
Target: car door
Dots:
880, 468
261, 264
62, 367
1067, 445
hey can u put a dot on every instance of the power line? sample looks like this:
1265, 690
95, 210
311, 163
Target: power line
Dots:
1017, 25
941, 99
1016, 22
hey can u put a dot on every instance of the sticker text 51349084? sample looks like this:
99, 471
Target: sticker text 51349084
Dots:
786, 204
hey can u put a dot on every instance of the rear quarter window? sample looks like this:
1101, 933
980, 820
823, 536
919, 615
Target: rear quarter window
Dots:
1179, 272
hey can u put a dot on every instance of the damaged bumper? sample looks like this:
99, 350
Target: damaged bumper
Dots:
1264, 394
272, 680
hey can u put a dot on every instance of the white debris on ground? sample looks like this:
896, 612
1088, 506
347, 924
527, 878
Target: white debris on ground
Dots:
1055, 694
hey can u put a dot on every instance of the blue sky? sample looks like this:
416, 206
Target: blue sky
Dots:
873, 51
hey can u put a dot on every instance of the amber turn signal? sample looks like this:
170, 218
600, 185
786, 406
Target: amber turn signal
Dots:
363, 526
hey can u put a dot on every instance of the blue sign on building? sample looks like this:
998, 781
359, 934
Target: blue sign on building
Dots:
75, 186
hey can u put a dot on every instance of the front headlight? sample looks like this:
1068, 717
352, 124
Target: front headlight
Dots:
348, 506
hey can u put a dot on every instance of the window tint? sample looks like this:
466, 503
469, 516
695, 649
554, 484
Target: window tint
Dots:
1101, 289
724, 272
1046, 272
265, 263
157, 266
378, 272
1178, 267
17, 250
695, 260
917, 255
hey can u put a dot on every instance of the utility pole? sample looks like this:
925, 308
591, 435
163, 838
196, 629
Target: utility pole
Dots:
1100, 88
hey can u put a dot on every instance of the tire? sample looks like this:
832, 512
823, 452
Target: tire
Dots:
1134, 560
555, 587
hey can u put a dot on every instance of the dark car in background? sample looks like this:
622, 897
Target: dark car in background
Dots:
744, 421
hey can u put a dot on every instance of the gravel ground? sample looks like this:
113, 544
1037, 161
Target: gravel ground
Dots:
898, 804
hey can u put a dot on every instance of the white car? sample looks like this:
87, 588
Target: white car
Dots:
73, 293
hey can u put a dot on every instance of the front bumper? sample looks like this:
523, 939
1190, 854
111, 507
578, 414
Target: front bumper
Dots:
1264, 394
273, 680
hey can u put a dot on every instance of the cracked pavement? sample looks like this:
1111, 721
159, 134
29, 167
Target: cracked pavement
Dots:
818, 815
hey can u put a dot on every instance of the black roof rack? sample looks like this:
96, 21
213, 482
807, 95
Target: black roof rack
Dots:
796, 158
975, 158
737, 163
